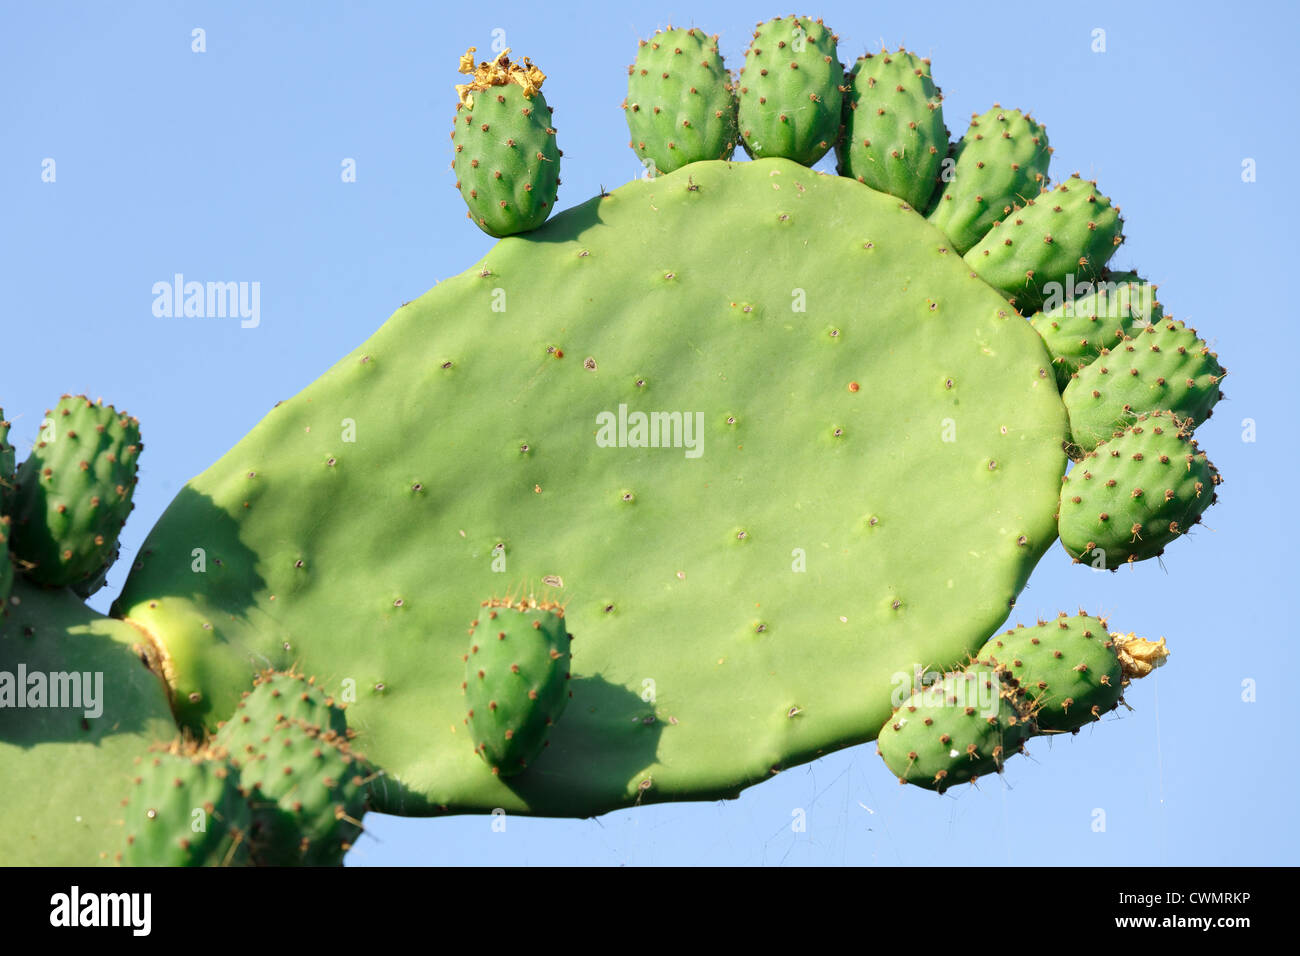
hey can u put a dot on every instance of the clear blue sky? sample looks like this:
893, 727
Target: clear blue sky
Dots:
227, 164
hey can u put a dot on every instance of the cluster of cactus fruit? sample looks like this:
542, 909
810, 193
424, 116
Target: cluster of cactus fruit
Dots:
1012, 346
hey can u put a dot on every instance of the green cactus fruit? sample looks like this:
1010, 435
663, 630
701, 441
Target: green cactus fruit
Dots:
506, 162
1065, 234
278, 696
516, 680
6, 565
185, 808
894, 137
999, 164
959, 728
791, 91
680, 105
6, 465
1080, 327
73, 493
1067, 669
307, 790
1162, 367
1129, 498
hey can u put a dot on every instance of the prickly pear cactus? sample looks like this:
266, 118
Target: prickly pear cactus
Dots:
516, 680
680, 105
72, 495
791, 91
506, 162
185, 808
768, 438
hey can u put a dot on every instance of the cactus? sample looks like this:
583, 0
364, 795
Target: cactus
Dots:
894, 137
680, 105
6, 465
6, 565
516, 680
1077, 330
506, 162
768, 438
961, 728
1161, 367
1067, 669
1068, 232
791, 91
307, 790
185, 808
72, 495
1129, 498
1000, 163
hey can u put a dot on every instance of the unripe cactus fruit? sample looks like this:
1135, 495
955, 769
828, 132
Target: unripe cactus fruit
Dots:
999, 164
791, 91
1068, 669
516, 680
73, 493
894, 137
680, 106
506, 162
185, 808
284, 695
1077, 331
1064, 234
959, 728
1134, 494
6, 465
1162, 367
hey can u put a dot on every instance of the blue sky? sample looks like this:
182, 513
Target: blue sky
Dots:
228, 163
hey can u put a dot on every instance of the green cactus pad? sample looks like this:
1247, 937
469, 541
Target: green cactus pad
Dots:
284, 695
506, 162
1065, 235
307, 790
894, 137
1068, 669
73, 493
1163, 367
1000, 163
185, 808
962, 727
1077, 329
1133, 495
67, 767
680, 105
791, 91
740, 602
516, 680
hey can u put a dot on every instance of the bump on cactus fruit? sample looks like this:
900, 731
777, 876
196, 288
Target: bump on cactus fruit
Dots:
680, 105
1068, 669
185, 808
516, 680
894, 137
73, 493
962, 727
1000, 163
307, 791
1130, 497
1065, 234
1161, 367
1078, 329
791, 91
506, 162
